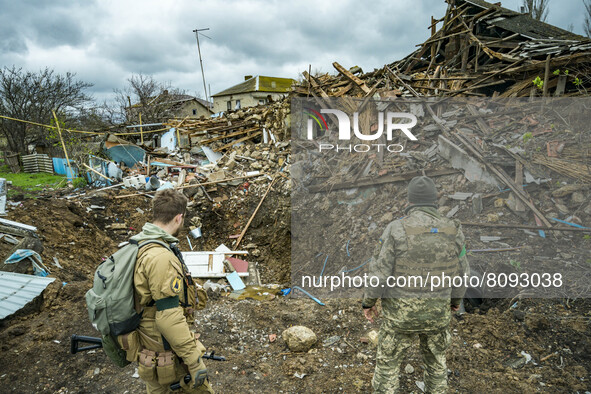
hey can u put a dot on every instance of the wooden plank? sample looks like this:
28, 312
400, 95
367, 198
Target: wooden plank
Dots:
141, 131
221, 137
434, 40
185, 186
477, 86
546, 75
369, 96
444, 78
343, 90
248, 137
372, 181
465, 48
351, 77
444, 29
255, 212
218, 129
57, 125
312, 81
481, 124
96, 172
407, 86
519, 207
502, 175
433, 31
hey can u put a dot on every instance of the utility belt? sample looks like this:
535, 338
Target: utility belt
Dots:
156, 361
153, 365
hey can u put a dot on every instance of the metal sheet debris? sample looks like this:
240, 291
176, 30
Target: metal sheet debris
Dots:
17, 290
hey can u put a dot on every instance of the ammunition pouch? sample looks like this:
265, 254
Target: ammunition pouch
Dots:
130, 342
165, 368
147, 365
158, 366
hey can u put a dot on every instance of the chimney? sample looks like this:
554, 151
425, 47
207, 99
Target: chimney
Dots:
247, 77
523, 9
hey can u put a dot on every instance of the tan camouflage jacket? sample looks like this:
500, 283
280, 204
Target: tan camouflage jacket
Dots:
159, 277
423, 244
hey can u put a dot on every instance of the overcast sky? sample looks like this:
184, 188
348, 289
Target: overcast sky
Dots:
105, 42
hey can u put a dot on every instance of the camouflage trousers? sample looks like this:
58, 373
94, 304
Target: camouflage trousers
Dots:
392, 348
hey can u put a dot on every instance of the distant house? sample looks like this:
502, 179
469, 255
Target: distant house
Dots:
167, 106
253, 91
192, 107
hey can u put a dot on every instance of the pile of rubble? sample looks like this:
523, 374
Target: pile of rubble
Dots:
512, 165
264, 122
481, 49
227, 166
515, 173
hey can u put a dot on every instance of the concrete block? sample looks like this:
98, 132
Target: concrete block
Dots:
459, 159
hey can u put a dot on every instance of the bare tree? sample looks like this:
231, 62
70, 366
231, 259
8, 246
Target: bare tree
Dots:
96, 118
32, 96
587, 23
145, 95
537, 9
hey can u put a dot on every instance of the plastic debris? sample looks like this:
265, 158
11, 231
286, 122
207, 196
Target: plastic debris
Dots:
309, 295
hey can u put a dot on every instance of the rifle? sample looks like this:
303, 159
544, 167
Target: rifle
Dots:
97, 343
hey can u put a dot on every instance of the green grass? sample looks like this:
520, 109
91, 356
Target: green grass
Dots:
30, 182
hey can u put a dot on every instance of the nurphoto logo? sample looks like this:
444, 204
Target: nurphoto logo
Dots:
393, 121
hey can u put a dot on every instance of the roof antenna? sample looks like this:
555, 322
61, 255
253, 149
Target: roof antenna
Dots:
196, 31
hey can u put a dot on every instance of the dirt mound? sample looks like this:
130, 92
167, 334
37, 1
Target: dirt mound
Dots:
35, 346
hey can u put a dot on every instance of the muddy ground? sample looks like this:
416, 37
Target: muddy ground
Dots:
484, 355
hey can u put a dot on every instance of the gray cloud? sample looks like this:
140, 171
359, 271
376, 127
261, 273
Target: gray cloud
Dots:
53, 24
106, 42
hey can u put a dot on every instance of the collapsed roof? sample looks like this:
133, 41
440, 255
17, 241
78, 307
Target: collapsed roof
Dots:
480, 49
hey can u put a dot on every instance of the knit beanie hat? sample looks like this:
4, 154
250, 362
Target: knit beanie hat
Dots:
421, 190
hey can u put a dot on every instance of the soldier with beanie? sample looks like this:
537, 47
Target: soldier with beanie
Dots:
421, 245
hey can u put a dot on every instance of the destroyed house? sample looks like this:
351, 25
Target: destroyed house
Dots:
258, 90
479, 48
475, 49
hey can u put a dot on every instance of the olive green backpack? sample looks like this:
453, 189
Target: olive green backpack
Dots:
110, 302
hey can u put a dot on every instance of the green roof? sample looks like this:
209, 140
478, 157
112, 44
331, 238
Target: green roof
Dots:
259, 84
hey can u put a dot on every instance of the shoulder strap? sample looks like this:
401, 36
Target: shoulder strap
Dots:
150, 241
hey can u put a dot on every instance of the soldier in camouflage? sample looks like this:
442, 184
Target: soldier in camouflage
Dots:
417, 247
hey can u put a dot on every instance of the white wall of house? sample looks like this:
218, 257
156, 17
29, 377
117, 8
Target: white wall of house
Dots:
252, 99
192, 109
